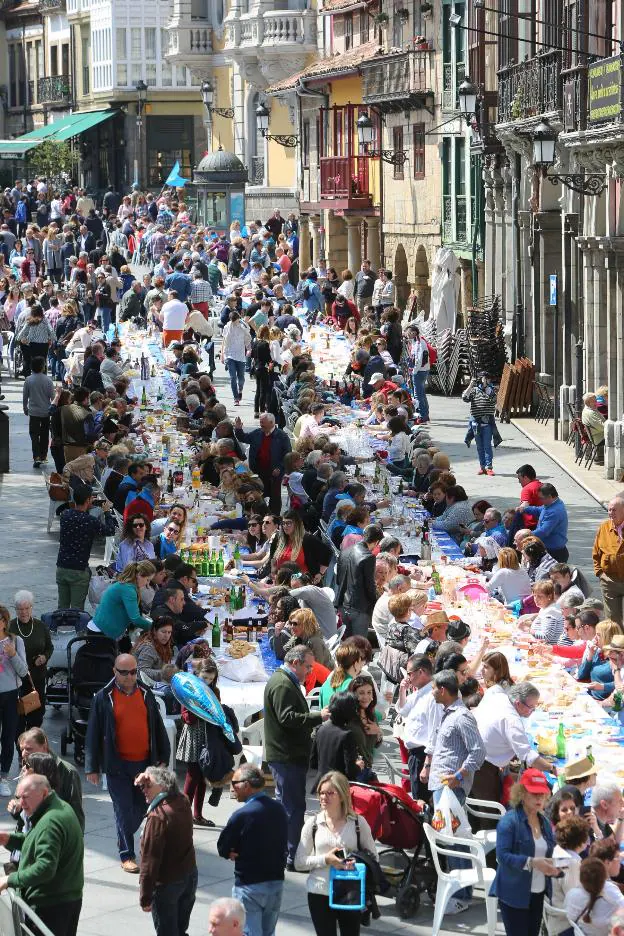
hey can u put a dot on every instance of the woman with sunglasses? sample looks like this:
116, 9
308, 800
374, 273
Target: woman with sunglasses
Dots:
269, 527
135, 545
178, 514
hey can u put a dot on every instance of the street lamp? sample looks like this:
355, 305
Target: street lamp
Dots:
208, 94
468, 94
141, 90
544, 139
262, 120
366, 133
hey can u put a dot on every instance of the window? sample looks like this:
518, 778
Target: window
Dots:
121, 44
150, 74
136, 74
135, 44
54, 64
364, 25
348, 31
65, 59
168, 139
418, 158
86, 75
164, 45
166, 76
397, 146
122, 75
150, 42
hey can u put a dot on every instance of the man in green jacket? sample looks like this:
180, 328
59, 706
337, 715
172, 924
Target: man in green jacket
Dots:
288, 726
51, 873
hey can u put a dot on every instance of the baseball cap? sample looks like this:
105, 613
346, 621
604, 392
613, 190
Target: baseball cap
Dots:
375, 377
534, 781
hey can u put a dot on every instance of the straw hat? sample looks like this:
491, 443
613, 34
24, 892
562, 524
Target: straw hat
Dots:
580, 769
435, 618
617, 643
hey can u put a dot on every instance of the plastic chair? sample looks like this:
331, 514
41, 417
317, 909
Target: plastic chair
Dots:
449, 882
252, 738
170, 728
485, 809
333, 643
553, 915
313, 699
396, 775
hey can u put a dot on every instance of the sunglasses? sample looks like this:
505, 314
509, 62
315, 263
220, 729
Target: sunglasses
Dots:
138, 525
237, 782
126, 672
170, 529
253, 523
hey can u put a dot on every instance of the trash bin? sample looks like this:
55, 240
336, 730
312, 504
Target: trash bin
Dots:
4, 440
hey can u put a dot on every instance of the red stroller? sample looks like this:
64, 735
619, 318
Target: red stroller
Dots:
397, 820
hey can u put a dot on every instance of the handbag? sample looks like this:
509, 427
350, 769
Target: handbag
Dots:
30, 702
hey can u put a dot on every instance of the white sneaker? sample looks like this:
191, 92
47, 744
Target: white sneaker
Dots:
5, 789
453, 906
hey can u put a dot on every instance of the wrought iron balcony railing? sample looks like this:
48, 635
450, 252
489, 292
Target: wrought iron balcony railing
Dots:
54, 89
399, 81
531, 88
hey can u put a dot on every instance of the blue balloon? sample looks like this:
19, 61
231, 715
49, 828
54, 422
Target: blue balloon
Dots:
193, 693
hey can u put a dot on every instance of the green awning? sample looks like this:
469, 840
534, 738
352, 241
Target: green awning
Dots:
63, 129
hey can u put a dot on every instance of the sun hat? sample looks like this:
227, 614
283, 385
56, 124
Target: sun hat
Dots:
580, 769
434, 619
617, 643
534, 781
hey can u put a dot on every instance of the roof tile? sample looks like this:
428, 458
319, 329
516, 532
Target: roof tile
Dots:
331, 65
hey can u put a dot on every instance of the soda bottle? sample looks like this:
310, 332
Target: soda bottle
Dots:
216, 633
562, 746
435, 580
212, 567
196, 479
425, 549
220, 563
589, 754
617, 701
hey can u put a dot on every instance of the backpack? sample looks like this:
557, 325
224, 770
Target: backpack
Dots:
432, 354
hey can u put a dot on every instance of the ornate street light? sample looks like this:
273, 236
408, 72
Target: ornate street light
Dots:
366, 133
208, 94
262, 119
468, 94
544, 140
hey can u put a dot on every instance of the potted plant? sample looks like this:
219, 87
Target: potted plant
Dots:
420, 43
403, 14
426, 7
381, 19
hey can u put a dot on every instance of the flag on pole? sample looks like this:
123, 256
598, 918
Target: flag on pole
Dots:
174, 179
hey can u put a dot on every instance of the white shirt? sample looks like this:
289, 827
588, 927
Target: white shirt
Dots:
512, 583
502, 730
381, 616
417, 715
561, 886
236, 340
609, 901
538, 878
399, 447
174, 313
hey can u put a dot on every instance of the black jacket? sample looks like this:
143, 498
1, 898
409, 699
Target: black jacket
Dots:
100, 749
375, 366
355, 573
91, 377
316, 553
333, 748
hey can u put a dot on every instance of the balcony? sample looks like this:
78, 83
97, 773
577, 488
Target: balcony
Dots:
55, 89
530, 89
344, 182
398, 82
189, 43
51, 6
271, 44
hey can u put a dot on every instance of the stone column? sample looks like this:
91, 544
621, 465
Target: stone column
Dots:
611, 263
315, 223
372, 244
525, 222
586, 245
489, 253
549, 223
354, 244
507, 256
499, 227
304, 243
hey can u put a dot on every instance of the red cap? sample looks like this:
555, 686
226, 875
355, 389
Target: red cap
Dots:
534, 781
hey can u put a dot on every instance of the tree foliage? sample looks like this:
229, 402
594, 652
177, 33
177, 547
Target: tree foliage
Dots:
53, 159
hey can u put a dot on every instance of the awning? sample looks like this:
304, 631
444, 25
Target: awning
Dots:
64, 129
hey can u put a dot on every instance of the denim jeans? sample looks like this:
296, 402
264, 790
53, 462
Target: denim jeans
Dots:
105, 313
129, 804
262, 904
526, 922
8, 717
236, 370
457, 863
420, 379
172, 905
290, 791
483, 438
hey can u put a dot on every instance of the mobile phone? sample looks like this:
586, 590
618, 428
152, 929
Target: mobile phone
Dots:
341, 854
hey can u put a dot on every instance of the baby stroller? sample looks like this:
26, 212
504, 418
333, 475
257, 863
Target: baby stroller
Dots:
397, 821
63, 625
90, 671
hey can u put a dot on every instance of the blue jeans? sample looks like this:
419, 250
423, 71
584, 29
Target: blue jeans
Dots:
172, 905
420, 379
457, 863
105, 313
8, 717
236, 370
483, 438
129, 804
262, 904
290, 791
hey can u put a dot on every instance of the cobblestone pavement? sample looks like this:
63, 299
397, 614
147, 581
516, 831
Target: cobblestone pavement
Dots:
28, 559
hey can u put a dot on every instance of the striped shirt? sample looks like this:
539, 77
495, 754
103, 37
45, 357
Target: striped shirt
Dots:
482, 400
200, 291
458, 746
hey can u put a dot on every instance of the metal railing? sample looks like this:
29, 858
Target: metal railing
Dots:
344, 177
49, 6
256, 176
531, 88
398, 78
54, 89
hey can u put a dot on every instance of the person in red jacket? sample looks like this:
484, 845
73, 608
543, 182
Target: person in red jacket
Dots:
28, 267
342, 310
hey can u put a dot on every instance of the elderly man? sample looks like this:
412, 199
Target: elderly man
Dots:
499, 719
259, 828
50, 877
288, 738
172, 601
125, 735
608, 556
168, 879
608, 808
593, 421
131, 305
397, 585
35, 741
268, 447
226, 917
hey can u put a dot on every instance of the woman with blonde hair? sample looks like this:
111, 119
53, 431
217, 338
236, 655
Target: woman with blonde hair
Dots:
594, 669
119, 607
326, 841
305, 629
508, 578
294, 544
349, 664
